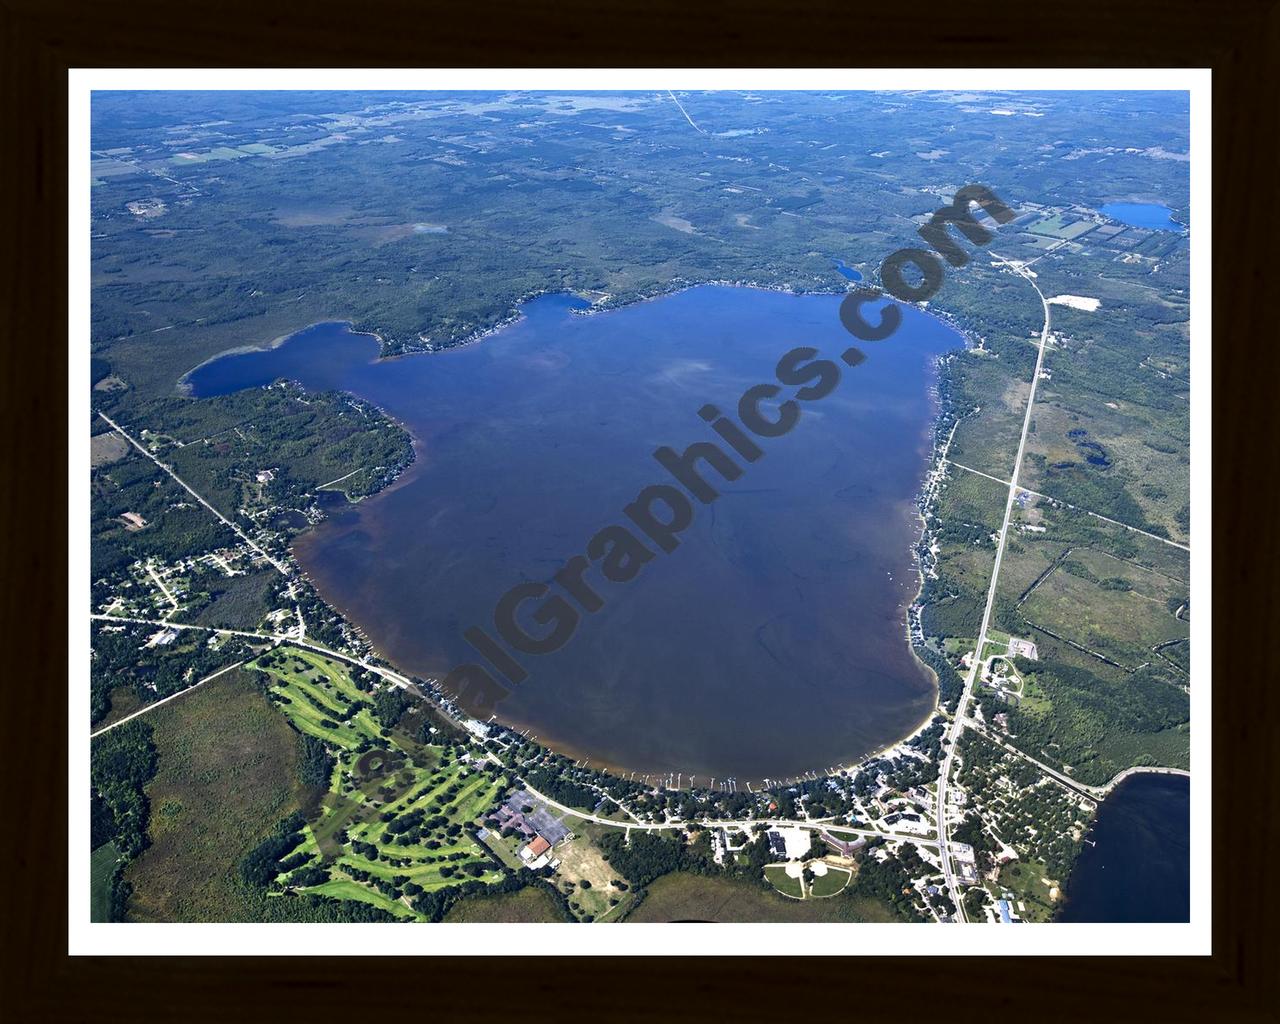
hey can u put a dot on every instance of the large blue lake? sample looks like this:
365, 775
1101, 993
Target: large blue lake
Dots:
769, 643
1142, 215
1136, 866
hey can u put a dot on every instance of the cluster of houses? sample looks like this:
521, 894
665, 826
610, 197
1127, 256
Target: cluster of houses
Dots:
906, 811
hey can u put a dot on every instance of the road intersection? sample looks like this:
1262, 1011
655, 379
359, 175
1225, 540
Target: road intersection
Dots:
956, 729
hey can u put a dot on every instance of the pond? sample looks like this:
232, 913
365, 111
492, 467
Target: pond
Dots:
1142, 215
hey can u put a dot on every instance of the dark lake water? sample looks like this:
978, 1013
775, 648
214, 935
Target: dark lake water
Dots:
769, 643
1142, 215
1140, 869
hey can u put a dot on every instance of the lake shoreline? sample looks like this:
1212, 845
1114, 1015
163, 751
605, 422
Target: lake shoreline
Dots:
1135, 866
183, 384
915, 505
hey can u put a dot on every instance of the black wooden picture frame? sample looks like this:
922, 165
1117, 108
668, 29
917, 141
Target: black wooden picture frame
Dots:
1238, 39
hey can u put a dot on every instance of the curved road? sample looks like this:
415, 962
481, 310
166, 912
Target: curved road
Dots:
398, 680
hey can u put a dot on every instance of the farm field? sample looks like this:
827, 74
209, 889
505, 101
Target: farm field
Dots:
1056, 228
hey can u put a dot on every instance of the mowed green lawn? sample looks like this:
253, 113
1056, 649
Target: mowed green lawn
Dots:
389, 807
345, 889
429, 793
831, 883
360, 815
102, 865
783, 882
318, 691
1056, 228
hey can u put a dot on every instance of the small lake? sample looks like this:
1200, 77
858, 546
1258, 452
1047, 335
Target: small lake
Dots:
1142, 215
769, 643
851, 273
1140, 868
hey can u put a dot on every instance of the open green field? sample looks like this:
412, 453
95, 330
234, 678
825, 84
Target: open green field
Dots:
687, 897
218, 153
315, 693
1040, 242
783, 882
1121, 615
102, 865
530, 905
1044, 534
226, 774
587, 879
822, 886
831, 883
1055, 227
1027, 881
344, 889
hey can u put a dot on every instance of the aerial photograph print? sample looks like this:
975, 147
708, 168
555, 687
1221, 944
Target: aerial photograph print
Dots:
593, 505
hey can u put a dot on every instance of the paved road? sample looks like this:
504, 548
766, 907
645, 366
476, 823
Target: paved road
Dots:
182, 483
685, 112
1084, 789
962, 708
745, 823
283, 638
1077, 508
165, 590
399, 680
